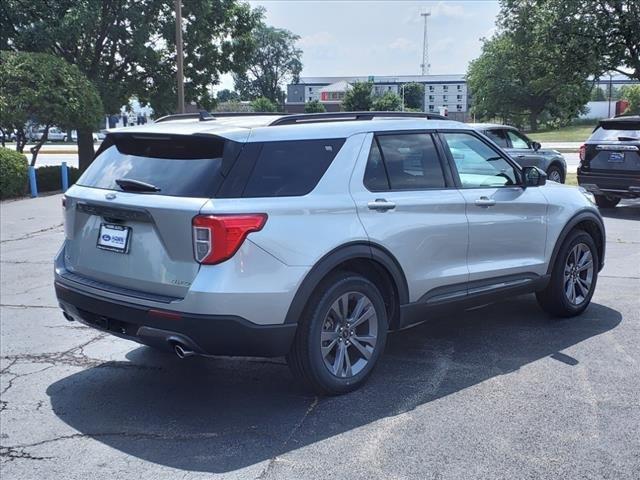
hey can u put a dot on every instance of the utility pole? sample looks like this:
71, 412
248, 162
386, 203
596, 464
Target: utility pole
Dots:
425, 46
179, 56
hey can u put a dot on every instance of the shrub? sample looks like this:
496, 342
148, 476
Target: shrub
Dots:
263, 104
314, 106
13, 173
49, 179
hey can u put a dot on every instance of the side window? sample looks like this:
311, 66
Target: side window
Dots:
498, 137
517, 140
411, 161
290, 168
479, 165
375, 175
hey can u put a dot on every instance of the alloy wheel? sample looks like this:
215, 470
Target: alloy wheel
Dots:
578, 274
349, 334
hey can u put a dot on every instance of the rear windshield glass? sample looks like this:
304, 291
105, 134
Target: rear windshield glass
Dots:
609, 133
178, 167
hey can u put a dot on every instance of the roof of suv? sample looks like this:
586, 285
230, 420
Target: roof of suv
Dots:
256, 128
481, 126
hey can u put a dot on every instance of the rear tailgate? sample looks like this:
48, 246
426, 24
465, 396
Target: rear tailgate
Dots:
614, 147
141, 240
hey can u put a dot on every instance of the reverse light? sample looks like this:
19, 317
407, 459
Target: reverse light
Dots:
217, 238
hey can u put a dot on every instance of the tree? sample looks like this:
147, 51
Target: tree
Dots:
414, 96
127, 47
358, 98
263, 104
387, 102
314, 106
523, 72
631, 93
597, 94
605, 31
227, 95
274, 60
48, 90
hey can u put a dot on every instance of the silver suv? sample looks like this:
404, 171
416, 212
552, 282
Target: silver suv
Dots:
312, 236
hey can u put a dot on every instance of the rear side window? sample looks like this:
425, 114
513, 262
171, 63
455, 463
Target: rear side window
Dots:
403, 162
290, 168
180, 166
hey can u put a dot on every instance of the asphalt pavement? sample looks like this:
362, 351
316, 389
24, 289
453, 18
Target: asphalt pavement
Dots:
501, 391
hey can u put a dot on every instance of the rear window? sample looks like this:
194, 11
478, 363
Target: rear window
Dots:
179, 166
290, 168
616, 132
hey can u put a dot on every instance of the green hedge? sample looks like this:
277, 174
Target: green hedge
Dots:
49, 180
13, 173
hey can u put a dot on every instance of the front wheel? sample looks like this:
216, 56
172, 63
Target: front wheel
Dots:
606, 201
573, 278
554, 173
341, 335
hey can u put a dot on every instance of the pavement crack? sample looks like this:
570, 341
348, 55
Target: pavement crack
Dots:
32, 234
267, 470
22, 305
12, 453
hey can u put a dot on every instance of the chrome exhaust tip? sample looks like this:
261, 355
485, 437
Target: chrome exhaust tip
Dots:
182, 352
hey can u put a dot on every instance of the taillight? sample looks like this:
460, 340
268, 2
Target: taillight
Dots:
581, 151
64, 202
217, 238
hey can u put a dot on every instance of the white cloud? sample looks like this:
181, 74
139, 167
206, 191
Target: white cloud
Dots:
318, 39
403, 44
448, 9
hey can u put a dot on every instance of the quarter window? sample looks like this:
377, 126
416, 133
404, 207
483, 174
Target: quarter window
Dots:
403, 162
478, 165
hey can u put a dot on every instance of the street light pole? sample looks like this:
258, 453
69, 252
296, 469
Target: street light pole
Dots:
179, 56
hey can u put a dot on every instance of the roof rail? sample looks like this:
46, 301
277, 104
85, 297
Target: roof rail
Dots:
349, 116
202, 115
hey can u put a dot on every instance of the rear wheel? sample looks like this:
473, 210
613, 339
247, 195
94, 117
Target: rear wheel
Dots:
554, 173
574, 276
607, 201
341, 335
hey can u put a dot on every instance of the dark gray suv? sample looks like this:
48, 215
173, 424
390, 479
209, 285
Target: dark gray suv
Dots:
525, 151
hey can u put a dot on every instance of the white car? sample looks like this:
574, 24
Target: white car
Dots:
97, 136
54, 135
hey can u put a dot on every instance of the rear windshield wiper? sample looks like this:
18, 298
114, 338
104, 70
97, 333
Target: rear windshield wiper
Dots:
130, 185
628, 139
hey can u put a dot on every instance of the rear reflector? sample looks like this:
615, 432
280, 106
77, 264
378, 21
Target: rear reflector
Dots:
164, 314
581, 152
217, 238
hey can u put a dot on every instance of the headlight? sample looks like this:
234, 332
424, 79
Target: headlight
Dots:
587, 194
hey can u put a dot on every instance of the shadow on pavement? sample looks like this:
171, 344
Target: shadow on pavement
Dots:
218, 415
626, 210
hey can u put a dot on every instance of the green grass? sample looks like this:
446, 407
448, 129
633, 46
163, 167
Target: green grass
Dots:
572, 133
572, 178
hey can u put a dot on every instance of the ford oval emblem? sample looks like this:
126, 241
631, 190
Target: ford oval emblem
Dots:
110, 196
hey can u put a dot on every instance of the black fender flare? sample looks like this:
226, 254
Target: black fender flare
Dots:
579, 217
350, 251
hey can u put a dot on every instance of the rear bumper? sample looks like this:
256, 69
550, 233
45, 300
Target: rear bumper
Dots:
204, 334
625, 186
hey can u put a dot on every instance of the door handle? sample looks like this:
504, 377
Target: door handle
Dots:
381, 205
485, 202
520, 156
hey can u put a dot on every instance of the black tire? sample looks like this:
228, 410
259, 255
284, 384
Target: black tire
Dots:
554, 169
554, 299
606, 201
305, 358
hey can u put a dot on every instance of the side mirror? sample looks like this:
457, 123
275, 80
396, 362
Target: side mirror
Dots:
534, 177
536, 146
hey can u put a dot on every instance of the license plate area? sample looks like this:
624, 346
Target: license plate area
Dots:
616, 157
113, 237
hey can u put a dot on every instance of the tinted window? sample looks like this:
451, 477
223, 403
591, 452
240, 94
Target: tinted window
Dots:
182, 167
517, 140
498, 137
479, 165
603, 133
375, 176
290, 168
411, 162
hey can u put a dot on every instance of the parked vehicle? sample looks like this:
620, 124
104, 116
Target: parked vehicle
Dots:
54, 135
525, 151
97, 136
610, 161
312, 236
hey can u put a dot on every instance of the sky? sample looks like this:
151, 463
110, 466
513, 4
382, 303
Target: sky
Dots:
366, 37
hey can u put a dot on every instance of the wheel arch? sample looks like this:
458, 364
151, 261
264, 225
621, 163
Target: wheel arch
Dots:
588, 221
372, 261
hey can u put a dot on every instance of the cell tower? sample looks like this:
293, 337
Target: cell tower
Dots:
425, 46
